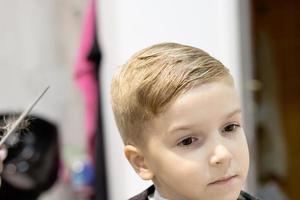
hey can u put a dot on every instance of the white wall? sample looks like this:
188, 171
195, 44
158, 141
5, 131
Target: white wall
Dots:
127, 26
38, 47
38, 44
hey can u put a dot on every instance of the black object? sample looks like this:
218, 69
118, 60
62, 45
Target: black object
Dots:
100, 184
149, 191
32, 164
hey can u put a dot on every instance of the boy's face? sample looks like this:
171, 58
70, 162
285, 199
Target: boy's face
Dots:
197, 148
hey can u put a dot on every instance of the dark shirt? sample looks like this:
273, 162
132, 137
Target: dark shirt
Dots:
144, 195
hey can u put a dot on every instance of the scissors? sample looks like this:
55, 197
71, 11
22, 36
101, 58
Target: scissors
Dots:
15, 125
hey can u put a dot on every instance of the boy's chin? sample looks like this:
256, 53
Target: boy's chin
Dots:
233, 195
230, 194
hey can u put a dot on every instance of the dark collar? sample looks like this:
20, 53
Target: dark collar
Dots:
144, 195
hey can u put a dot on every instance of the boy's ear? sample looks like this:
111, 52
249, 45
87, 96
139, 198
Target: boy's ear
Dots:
137, 161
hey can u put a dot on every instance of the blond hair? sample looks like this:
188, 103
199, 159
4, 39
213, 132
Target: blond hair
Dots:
153, 78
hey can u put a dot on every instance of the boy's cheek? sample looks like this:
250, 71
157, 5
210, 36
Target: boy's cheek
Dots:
244, 158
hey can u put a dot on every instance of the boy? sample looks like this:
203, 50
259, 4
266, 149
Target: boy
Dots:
179, 116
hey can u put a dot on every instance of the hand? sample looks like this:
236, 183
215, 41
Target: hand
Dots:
3, 154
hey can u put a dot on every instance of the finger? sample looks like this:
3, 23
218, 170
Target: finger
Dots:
3, 153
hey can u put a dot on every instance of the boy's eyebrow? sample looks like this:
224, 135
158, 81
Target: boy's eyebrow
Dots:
182, 128
236, 111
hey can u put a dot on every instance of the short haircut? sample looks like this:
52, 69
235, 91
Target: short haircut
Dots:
152, 79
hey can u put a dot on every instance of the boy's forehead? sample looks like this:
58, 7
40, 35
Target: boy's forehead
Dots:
217, 99
201, 89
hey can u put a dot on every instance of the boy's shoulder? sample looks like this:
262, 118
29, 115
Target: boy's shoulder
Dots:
144, 195
246, 196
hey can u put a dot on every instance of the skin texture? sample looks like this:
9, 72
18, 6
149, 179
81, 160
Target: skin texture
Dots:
3, 154
197, 141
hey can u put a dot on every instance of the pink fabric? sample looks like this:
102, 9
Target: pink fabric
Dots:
86, 79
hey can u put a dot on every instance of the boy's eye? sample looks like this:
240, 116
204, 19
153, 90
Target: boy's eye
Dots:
231, 128
187, 141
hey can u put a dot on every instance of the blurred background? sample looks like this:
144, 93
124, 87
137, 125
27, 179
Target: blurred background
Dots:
73, 150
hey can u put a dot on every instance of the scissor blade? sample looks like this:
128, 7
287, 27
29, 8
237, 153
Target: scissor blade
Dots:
22, 116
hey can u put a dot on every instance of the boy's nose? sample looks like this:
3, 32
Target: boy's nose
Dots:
221, 156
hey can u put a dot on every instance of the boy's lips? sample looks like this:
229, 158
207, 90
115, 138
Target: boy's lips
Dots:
223, 180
